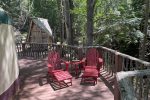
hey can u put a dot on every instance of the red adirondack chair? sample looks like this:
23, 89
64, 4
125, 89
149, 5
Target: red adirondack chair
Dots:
55, 69
91, 64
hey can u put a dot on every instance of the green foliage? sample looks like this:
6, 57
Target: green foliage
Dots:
8, 5
116, 22
79, 19
46, 9
118, 25
17, 9
138, 7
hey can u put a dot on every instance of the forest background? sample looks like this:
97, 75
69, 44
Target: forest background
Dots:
118, 24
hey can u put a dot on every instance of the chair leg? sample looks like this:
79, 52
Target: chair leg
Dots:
71, 81
95, 80
75, 69
60, 85
82, 80
99, 74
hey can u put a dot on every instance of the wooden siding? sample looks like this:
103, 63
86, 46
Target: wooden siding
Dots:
37, 35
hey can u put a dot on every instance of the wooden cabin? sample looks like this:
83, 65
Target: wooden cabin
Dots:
39, 31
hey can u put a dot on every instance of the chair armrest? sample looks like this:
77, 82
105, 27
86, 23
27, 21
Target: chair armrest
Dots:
50, 68
66, 64
100, 60
100, 63
54, 71
49, 65
83, 61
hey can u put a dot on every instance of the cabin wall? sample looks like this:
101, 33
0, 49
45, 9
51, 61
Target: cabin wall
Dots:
38, 35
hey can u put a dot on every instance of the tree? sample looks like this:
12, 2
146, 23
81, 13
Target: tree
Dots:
68, 19
90, 14
71, 4
146, 17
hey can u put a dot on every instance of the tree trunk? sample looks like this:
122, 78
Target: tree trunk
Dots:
62, 34
67, 20
59, 4
71, 22
143, 44
90, 14
68, 24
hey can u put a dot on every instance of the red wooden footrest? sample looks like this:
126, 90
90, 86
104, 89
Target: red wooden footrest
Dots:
62, 76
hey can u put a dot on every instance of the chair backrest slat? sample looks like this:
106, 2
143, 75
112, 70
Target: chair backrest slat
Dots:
54, 60
92, 56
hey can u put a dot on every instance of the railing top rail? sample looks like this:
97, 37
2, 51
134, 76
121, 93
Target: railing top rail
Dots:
32, 43
124, 74
145, 63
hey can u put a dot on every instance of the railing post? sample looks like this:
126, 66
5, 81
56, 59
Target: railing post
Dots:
116, 89
80, 53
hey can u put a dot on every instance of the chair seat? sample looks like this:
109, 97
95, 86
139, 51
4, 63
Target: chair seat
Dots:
62, 75
90, 73
90, 67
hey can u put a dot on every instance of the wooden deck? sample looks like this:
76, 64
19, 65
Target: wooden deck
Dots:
36, 86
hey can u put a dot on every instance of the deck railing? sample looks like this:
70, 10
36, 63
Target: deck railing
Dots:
114, 61
35, 50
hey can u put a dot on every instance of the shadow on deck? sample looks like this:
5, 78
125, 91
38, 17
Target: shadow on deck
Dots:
36, 86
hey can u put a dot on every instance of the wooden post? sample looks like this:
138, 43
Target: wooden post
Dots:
80, 53
116, 89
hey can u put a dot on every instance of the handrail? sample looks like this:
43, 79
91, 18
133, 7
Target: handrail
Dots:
101, 47
126, 80
124, 74
121, 54
145, 63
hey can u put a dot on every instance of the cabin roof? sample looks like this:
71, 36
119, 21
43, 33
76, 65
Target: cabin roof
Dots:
43, 24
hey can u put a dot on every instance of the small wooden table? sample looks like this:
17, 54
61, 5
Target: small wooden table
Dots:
76, 64
67, 65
